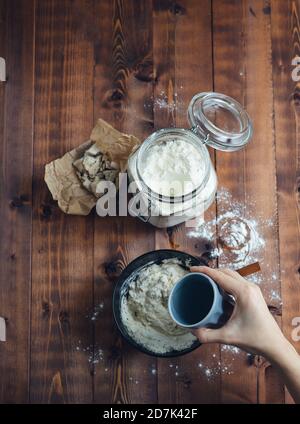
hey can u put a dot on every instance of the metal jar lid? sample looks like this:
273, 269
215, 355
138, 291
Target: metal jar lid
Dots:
220, 121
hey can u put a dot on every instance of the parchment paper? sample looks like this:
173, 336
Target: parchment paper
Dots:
116, 145
60, 175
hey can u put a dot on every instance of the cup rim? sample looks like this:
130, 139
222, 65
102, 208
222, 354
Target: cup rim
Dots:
208, 315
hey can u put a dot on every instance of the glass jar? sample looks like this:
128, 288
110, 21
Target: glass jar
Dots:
216, 120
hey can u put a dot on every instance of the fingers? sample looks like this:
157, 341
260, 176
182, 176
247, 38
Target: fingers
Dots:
228, 281
206, 335
230, 272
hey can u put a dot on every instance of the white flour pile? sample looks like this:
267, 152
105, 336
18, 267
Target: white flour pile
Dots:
144, 310
239, 241
174, 167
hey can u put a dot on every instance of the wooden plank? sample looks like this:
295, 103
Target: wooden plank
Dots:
194, 74
164, 25
17, 27
285, 44
123, 85
242, 59
182, 50
62, 267
2, 85
228, 28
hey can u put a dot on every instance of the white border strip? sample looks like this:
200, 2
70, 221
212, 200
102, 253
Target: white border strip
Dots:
2, 330
2, 69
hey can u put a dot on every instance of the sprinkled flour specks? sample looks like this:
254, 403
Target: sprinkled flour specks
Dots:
162, 102
275, 296
215, 367
239, 240
232, 349
153, 371
95, 313
94, 353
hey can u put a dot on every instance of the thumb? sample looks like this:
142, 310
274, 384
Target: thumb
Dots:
206, 335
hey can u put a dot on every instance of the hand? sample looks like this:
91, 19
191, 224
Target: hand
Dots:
251, 326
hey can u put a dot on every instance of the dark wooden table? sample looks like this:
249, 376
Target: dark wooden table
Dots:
72, 61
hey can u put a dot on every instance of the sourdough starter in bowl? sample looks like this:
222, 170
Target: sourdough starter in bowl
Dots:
144, 310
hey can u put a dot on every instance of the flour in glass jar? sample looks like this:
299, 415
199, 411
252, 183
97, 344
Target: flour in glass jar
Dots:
173, 168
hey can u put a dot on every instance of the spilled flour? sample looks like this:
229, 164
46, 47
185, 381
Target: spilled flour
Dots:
144, 310
221, 367
235, 239
239, 242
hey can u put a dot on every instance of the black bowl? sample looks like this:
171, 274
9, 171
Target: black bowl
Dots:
121, 289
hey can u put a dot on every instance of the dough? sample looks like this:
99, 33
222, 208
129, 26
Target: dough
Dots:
144, 311
94, 167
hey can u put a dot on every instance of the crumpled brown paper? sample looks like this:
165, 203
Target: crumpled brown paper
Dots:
116, 145
60, 175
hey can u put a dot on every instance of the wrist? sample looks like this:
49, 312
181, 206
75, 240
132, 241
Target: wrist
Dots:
282, 353
287, 363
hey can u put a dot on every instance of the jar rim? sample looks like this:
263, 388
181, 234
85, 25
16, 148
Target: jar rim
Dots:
214, 136
188, 136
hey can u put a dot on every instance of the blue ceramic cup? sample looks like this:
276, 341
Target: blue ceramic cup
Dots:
197, 301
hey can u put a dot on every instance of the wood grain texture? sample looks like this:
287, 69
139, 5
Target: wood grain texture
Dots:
183, 64
229, 78
17, 17
137, 65
62, 267
242, 69
123, 89
285, 41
